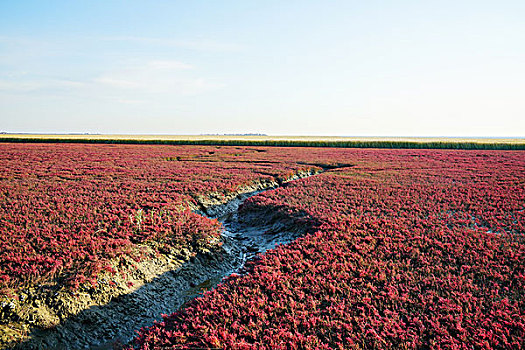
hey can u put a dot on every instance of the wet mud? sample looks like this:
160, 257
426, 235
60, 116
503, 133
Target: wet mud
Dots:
245, 235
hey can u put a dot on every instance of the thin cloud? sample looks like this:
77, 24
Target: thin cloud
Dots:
157, 77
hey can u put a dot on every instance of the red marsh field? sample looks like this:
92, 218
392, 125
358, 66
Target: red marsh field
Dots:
384, 248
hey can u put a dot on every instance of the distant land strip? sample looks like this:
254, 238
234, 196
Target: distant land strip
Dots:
281, 141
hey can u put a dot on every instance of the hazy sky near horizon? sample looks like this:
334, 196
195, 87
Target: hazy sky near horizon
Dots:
348, 68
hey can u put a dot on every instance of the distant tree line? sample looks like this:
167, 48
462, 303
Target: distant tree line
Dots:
291, 143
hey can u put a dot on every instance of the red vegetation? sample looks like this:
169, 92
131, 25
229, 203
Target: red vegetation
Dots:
408, 249
66, 210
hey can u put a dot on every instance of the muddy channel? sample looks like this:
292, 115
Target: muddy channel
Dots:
245, 235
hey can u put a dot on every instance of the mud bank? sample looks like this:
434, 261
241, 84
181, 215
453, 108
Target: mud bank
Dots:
110, 316
217, 205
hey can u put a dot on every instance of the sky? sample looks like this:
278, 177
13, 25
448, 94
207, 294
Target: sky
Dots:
340, 68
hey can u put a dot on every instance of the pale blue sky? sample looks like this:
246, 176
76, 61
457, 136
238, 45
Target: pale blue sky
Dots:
355, 68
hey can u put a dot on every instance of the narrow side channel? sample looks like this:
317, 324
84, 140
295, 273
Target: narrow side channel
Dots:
104, 326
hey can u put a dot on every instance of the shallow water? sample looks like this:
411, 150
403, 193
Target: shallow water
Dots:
101, 327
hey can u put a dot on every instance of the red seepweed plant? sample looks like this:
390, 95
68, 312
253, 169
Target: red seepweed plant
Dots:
410, 249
